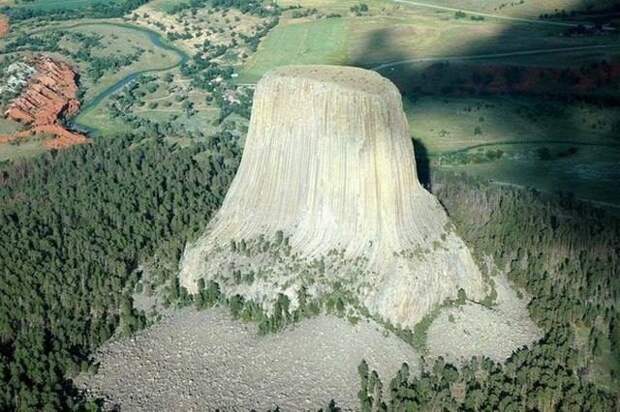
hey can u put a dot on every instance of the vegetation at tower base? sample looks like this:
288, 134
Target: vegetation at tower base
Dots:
565, 254
75, 228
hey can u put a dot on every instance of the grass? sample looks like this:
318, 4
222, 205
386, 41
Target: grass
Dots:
590, 174
516, 8
336, 6
99, 119
167, 108
165, 5
517, 126
59, 4
199, 122
205, 24
317, 42
28, 148
395, 34
8, 126
404, 35
446, 124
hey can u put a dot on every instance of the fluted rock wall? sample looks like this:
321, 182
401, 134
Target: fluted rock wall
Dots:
329, 163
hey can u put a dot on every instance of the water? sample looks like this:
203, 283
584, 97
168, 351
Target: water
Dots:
157, 41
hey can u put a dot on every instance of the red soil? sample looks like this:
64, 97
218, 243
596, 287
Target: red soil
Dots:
4, 26
50, 94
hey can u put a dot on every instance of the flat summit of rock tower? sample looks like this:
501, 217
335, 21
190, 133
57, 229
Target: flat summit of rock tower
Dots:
327, 200
350, 78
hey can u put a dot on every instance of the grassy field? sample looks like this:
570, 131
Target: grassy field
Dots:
168, 106
159, 104
398, 34
165, 5
522, 8
337, 6
57, 4
591, 173
323, 42
203, 24
99, 119
550, 146
514, 8
446, 124
8, 126
21, 150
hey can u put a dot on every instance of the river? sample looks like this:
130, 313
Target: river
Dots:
156, 39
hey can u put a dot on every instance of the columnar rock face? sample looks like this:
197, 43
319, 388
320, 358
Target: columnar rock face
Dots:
328, 176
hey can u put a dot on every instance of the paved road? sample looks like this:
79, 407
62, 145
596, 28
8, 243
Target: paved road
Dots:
493, 55
494, 16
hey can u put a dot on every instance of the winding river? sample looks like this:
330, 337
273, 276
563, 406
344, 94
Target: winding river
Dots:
156, 39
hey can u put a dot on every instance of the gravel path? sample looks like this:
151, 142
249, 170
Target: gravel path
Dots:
206, 360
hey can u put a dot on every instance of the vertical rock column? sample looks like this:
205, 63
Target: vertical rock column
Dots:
329, 161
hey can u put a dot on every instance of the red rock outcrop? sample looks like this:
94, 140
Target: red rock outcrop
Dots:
50, 95
4, 26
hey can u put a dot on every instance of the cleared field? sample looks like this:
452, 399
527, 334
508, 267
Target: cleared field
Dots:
522, 8
202, 24
8, 126
563, 59
399, 35
99, 119
519, 8
446, 124
550, 146
59, 4
337, 6
27, 148
319, 42
165, 5
591, 173
376, 40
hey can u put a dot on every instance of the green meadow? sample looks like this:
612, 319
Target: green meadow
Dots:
320, 42
59, 4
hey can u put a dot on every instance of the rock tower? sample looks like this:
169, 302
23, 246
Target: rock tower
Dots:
327, 198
